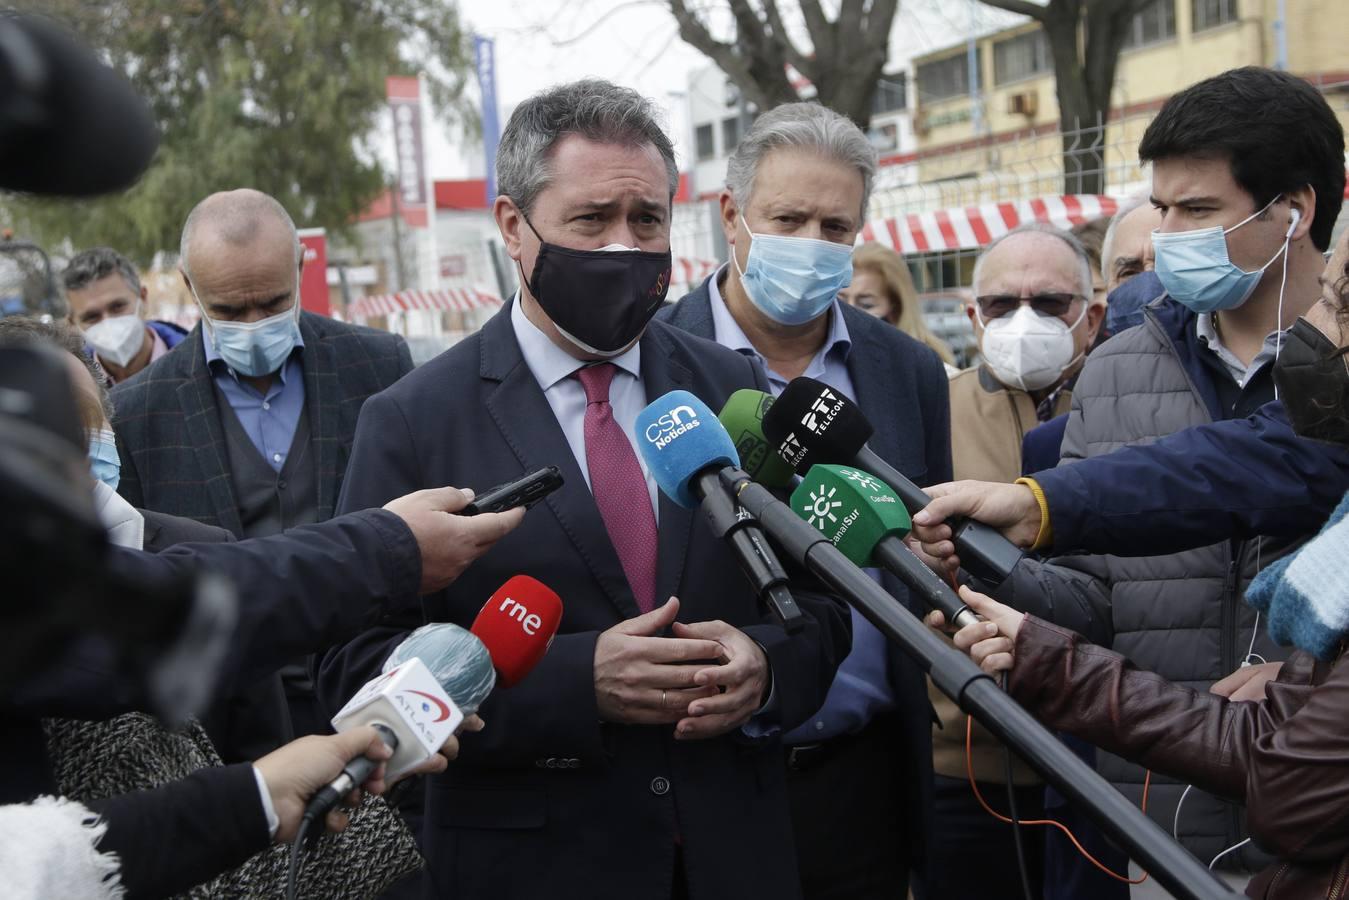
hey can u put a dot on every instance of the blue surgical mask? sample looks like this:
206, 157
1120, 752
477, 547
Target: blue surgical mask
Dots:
104, 462
792, 280
1195, 270
255, 348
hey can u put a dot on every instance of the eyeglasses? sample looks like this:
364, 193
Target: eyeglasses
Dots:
994, 306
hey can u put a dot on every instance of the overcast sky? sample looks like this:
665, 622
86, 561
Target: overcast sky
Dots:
544, 42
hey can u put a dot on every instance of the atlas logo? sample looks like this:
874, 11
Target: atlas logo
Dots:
792, 451
529, 622
821, 507
671, 425
863, 480
822, 412
432, 705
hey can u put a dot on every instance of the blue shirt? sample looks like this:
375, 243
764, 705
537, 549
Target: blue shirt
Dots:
269, 420
861, 689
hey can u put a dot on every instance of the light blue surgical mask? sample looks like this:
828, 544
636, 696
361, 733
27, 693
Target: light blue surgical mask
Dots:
1195, 270
104, 462
255, 348
792, 280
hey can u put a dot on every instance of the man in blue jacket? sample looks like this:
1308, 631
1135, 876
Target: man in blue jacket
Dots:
1246, 208
107, 303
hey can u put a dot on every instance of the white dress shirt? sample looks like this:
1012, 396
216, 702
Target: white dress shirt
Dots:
552, 367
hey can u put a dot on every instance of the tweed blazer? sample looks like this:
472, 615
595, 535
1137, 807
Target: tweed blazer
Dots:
172, 443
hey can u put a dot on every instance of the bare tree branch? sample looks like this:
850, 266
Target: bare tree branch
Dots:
802, 63
1023, 7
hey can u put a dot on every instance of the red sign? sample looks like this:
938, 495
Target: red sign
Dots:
314, 276
406, 106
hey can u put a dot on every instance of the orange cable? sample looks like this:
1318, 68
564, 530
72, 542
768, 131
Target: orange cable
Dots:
969, 771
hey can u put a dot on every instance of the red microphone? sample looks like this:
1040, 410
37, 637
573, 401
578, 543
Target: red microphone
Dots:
517, 625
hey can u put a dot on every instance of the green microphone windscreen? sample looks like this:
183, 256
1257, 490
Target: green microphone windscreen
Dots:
743, 417
852, 508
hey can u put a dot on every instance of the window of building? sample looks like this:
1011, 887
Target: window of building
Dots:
1154, 23
945, 78
706, 141
1212, 13
1021, 57
891, 94
730, 134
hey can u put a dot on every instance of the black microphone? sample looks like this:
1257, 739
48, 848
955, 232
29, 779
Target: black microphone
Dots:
684, 446
812, 423
69, 125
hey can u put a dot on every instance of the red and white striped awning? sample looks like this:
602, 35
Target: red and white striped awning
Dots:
462, 299
977, 226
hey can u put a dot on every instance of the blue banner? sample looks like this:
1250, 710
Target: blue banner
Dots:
484, 54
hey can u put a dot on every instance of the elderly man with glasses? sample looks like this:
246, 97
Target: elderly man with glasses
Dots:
1034, 318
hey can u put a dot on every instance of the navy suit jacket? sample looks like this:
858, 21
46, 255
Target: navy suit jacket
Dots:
172, 443
901, 387
548, 801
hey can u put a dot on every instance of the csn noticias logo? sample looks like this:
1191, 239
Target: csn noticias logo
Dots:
671, 425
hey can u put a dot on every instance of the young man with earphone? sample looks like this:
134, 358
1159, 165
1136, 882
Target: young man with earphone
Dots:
1247, 201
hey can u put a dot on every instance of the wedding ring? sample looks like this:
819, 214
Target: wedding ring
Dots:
662, 700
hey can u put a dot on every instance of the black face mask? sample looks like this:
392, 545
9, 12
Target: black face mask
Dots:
1314, 384
601, 300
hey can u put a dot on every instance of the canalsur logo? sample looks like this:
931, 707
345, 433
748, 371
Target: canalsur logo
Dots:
864, 480
821, 507
671, 425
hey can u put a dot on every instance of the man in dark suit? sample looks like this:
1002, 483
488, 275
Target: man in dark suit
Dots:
639, 760
797, 195
248, 422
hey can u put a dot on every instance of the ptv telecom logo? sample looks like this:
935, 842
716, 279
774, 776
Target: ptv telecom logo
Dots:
791, 450
822, 412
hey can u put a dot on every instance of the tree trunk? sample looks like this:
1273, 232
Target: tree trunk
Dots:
1081, 115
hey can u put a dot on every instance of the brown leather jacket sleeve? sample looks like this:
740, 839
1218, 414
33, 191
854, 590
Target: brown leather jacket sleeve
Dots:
1297, 795
1287, 758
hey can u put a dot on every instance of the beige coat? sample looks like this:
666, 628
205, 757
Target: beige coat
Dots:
988, 421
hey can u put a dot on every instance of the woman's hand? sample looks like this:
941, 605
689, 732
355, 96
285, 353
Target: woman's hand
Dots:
989, 643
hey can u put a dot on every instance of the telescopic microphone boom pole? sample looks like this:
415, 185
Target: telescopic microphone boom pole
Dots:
976, 693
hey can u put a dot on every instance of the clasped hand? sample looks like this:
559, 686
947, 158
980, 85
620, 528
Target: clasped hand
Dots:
706, 680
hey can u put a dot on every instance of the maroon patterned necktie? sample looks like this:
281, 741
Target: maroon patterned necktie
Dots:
618, 486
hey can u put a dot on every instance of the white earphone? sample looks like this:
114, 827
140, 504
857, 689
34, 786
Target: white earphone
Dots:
1292, 226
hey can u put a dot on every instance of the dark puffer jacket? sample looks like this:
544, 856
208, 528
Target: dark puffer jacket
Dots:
1180, 615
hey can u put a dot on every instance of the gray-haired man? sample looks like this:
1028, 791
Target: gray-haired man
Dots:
796, 197
620, 767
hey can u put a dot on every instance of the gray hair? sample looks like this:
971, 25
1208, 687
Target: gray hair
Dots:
807, 125
1126, 206
596, 110
235, 217
98, 263
1073, 244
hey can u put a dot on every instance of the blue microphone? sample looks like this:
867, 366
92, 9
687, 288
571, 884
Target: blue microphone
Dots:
684, 447
679, 439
